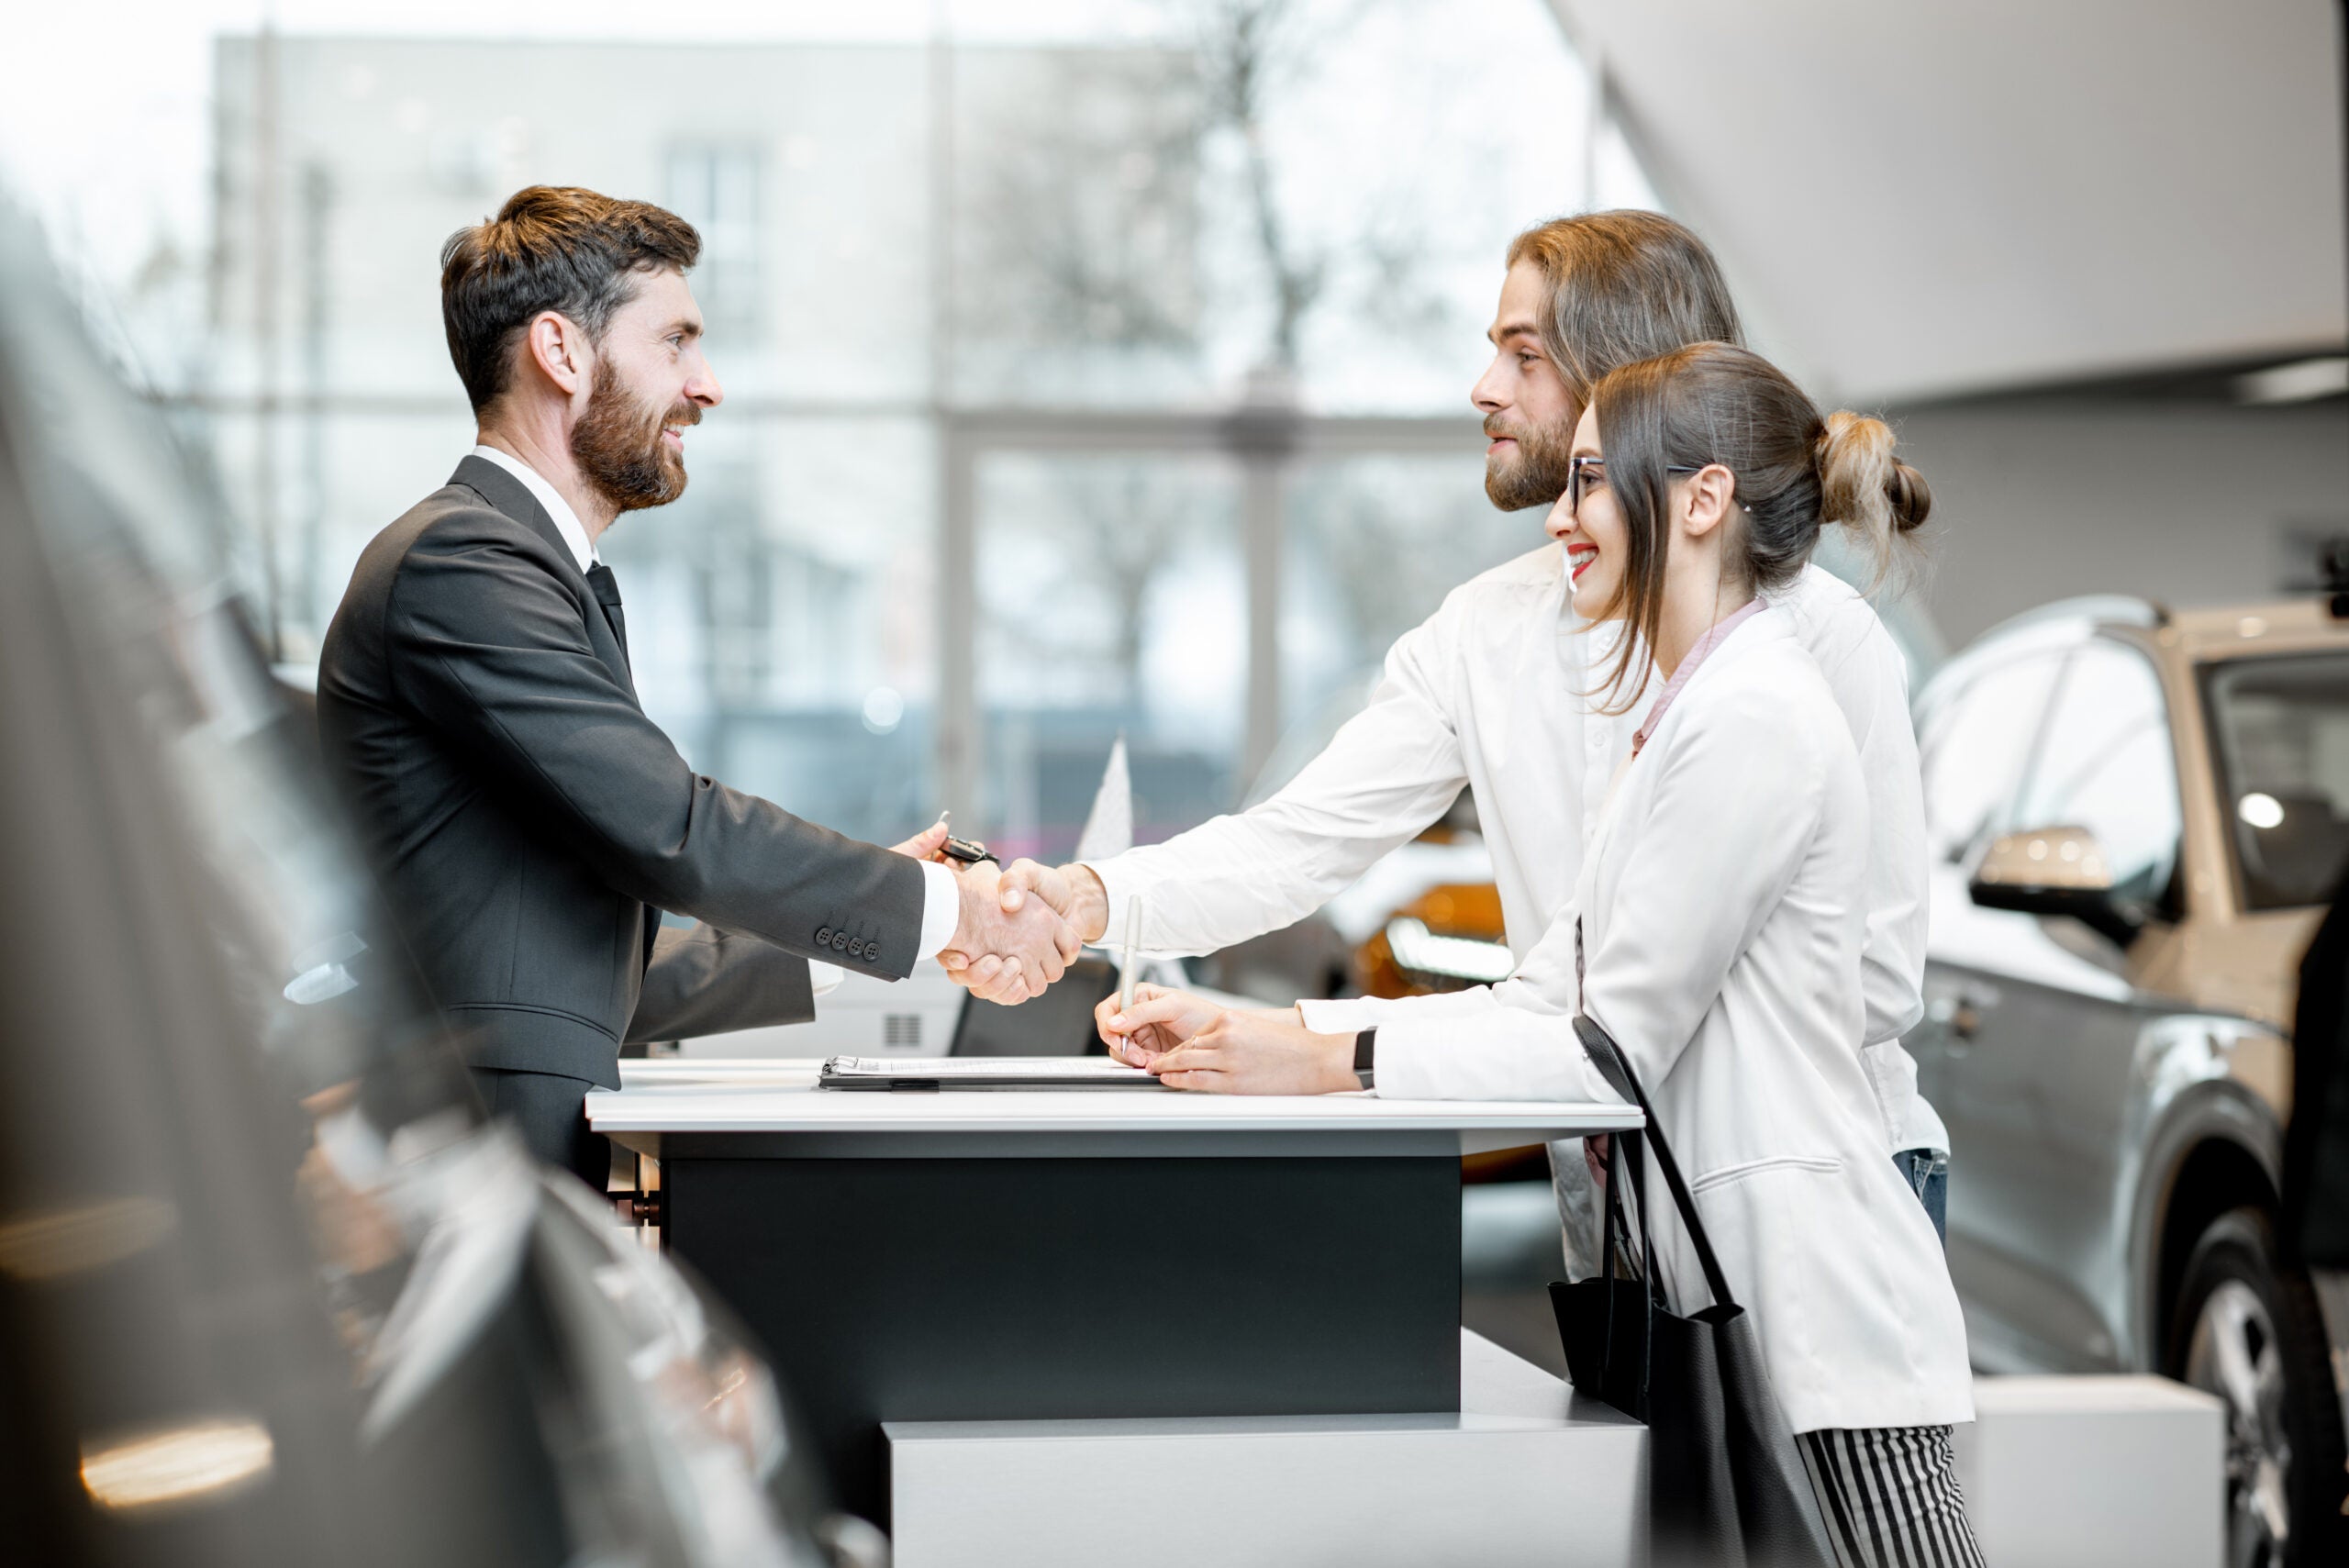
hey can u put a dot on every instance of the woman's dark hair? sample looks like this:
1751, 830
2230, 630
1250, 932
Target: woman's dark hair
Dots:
1717, 404
555, 248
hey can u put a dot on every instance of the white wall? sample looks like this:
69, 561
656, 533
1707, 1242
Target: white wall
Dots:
1924, 200
2037, 499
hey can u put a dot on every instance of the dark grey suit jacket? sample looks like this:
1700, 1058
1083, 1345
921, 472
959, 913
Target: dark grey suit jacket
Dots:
527, 820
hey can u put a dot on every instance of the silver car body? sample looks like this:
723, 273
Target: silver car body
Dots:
2103, 1104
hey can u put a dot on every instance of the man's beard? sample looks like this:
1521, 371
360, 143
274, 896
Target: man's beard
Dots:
1536, 475
618, 447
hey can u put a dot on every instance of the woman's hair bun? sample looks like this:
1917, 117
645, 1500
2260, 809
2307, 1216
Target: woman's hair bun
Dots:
1863, 486
1910, 498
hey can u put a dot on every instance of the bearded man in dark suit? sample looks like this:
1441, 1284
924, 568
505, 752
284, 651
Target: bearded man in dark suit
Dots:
476, 703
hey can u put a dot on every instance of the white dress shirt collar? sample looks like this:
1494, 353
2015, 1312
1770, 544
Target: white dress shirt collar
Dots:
566, 521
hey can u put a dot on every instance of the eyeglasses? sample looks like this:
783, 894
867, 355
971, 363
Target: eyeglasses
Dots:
1583, 473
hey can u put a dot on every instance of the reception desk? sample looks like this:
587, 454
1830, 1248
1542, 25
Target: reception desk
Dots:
929, 1257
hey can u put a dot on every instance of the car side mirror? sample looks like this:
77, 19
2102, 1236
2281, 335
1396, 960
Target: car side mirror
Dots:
2055, 871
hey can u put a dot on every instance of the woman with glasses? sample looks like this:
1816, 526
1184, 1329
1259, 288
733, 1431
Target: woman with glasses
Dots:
1721, 914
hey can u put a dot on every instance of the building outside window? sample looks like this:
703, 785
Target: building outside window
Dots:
716, 189
1107, 378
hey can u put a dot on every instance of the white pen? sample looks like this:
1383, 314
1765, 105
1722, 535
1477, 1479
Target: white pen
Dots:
1133, 940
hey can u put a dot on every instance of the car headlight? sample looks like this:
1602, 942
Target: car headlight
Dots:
1455, 958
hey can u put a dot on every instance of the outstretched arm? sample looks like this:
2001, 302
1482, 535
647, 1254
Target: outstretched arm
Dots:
1387, 774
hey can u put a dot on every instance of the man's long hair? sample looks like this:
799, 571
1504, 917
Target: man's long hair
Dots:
1624, 286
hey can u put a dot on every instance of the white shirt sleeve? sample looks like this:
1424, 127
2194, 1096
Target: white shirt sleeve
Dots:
942, 909
1869, 680
1392, 770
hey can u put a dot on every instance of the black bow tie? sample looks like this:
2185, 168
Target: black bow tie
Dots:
606, 589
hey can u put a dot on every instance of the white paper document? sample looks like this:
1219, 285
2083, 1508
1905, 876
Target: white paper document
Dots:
981, 1072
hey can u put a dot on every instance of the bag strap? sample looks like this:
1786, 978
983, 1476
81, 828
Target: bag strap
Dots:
1621, 1175
1612, 1065
1625, 1147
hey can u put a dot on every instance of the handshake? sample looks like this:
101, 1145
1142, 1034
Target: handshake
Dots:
1019, 930
1022, 927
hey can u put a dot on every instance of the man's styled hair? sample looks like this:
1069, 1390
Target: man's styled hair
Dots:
554, 248
1624, 286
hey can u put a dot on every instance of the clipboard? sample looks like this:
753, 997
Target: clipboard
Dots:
983, 1072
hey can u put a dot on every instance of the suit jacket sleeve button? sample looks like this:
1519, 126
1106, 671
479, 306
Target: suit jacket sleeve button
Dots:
824, 937
839, 941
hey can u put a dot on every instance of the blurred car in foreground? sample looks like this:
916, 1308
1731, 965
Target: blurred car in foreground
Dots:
2135, 818
272, 1291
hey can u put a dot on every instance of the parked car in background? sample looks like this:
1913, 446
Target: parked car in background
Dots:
2135, 819
271, 1289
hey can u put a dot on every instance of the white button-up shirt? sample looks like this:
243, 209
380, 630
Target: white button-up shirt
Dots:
1494, 691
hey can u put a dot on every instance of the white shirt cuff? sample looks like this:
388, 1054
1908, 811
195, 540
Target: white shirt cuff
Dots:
1509, 1053
1350, 1015
942, 909
1118, 891
1387, 1012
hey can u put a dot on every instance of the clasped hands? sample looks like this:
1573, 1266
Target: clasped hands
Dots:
1190, 1043
1021, 944
1193, 1043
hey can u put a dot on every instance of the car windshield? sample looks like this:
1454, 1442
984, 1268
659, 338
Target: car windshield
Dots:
2281, 729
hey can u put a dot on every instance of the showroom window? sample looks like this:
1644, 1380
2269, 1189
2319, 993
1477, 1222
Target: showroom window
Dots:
1035, 322
716, 189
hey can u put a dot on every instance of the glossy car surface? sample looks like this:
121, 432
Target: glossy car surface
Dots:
2134, 819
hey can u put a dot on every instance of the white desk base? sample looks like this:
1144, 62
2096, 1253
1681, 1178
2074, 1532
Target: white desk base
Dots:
1525, 1474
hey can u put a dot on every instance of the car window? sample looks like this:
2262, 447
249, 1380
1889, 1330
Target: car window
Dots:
1975, 727
2106, 764
2281, 729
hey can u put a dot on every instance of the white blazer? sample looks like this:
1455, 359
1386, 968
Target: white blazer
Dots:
1723, 902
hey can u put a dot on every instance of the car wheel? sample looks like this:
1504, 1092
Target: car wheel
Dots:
2248, 1330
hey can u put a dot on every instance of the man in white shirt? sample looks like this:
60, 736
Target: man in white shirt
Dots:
1494, 692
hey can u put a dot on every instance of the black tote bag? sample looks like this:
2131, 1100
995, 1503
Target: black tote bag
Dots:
1726, 1487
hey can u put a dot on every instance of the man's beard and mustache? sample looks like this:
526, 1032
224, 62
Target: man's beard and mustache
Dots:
618, 447
1536, 476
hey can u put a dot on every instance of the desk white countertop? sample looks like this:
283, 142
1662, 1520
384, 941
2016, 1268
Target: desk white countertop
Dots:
780, 1097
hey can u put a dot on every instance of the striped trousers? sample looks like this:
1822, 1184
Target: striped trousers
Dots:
1891, 1497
